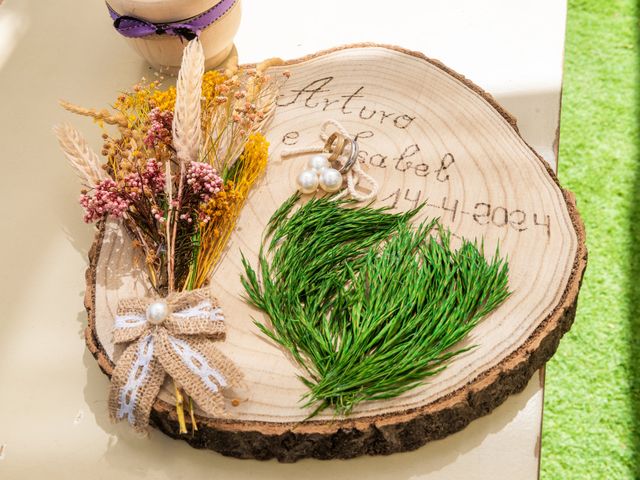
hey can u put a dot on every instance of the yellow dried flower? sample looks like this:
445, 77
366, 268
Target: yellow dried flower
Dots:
223, 209
220, 207
210, 80
254, 159
164, 99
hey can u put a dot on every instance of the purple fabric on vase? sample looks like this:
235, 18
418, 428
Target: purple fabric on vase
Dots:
189, 28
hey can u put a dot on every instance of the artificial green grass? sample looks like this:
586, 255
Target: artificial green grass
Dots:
592, 402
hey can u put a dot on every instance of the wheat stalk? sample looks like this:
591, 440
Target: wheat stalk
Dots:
99, 115
84, 161
186, 115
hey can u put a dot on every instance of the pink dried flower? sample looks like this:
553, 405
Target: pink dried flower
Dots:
153, 176
160, 127
203, 180
109, 198
150, 181
158, 214
105, 200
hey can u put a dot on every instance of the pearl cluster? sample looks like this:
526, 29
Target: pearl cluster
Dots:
319, 174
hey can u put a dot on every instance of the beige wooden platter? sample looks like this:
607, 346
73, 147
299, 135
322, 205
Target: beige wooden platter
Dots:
427, 135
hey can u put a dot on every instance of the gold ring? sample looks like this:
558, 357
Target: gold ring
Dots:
335, 152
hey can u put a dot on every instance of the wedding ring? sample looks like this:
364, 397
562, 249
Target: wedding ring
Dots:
334, 146
353, 157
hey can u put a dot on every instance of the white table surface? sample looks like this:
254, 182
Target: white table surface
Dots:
53, 418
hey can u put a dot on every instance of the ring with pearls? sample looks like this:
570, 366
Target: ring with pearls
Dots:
320, 173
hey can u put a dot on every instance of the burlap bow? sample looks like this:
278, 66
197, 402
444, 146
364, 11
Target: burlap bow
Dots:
179, 345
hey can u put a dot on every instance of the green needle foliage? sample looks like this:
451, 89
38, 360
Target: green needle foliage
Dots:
366, 303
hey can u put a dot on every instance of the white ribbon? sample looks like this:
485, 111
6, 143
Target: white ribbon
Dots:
203, 309
137, 376
129, 320
200, 367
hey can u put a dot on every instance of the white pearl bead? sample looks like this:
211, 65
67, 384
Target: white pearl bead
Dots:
308, 181
330, 180
157, 312
318, 162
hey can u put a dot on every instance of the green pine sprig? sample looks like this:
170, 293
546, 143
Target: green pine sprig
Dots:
366, 303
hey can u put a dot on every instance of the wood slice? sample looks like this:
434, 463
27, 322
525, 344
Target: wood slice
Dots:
426, 134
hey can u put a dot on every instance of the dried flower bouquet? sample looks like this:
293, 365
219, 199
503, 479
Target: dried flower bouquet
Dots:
179, 167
